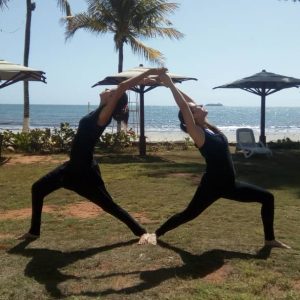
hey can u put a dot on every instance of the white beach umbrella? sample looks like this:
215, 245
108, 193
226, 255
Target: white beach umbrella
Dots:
11, 73
141, 90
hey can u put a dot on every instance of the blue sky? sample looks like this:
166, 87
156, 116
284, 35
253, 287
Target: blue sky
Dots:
224, 41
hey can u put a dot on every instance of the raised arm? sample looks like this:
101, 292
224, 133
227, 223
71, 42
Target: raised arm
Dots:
186, 97
182, 100
110, 98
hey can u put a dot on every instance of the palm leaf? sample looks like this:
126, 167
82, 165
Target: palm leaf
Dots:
153, 32
64, 7
149, 53
3, 3
156, 8
128, 21
84, 21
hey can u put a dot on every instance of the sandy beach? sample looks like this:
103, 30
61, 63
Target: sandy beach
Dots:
294, 135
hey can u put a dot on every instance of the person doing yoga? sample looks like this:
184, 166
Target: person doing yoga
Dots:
81, 173
219, 178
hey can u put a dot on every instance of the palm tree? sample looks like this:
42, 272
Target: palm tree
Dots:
30, 6
3, 3
127, 20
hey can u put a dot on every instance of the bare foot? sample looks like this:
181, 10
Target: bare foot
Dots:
152, 239
28, 236
143, 239
274, 243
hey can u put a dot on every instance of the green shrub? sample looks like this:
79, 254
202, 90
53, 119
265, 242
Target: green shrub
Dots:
116, 141
285, 143
169, 146
187, 143
62, 138
40, 140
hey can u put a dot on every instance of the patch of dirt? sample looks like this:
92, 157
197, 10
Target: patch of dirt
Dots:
141, 217
104, 266
5, 236
121, 282
180, 175
3, 247
79, 210
29, 159
195, 178
23, 213
82, 210
219, 275
297, 285
274, 292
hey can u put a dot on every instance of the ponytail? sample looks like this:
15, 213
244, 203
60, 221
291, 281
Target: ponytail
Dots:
182, 123
121, 111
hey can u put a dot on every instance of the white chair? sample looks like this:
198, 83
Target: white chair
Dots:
246, 143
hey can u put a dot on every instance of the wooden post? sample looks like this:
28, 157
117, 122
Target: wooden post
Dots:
142, 140
262, 137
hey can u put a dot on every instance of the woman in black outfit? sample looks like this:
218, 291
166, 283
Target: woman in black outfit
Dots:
81, 173
219, 178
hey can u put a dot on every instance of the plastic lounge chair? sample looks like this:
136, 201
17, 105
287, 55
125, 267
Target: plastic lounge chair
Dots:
246, 143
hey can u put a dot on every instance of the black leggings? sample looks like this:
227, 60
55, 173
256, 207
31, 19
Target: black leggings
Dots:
87, 183
207, 193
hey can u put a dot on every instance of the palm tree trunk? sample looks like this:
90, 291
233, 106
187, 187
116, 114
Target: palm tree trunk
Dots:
121, 57
30, 7
26, 112
120, 69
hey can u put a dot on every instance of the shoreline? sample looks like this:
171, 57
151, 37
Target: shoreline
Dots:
173, 136
272, 135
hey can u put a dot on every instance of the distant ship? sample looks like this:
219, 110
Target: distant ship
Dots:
214, 104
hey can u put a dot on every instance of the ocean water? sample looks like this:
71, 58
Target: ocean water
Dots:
158, 119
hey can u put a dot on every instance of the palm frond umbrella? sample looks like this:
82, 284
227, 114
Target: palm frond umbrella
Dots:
141, 90
11, 73
263, 84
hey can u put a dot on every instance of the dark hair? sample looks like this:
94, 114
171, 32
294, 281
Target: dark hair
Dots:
182, 123
121, 111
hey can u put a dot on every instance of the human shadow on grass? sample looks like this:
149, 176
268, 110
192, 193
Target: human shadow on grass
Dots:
127, 158
45, 264
278, 172
194, 266
187, 170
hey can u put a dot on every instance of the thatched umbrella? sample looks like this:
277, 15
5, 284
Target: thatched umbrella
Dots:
11, 73
263, 84
141, 90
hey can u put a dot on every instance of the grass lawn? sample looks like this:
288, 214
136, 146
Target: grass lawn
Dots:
84, 253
